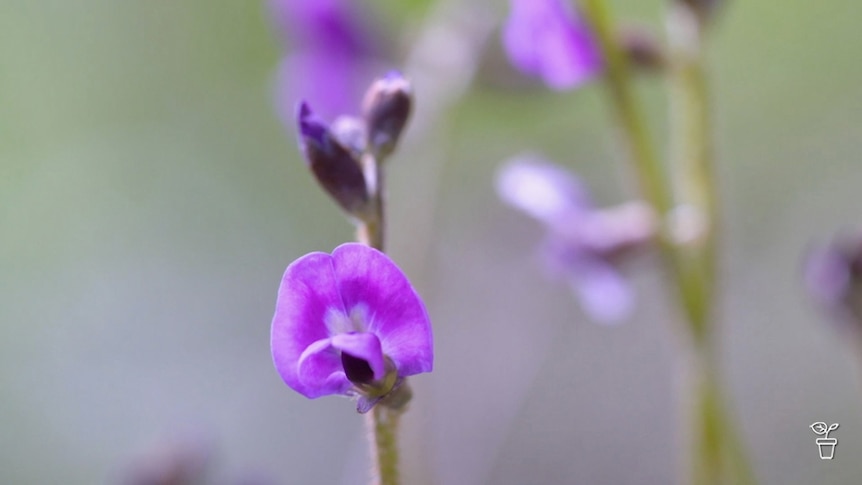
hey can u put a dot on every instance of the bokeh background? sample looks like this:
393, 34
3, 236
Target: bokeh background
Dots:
150, 200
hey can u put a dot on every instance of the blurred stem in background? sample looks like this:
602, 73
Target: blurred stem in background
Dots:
688, 240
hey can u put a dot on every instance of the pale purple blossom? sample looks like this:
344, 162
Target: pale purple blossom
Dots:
584, 244
347, 322
547, 39
330, 52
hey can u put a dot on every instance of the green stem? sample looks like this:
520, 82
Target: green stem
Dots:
718, 454
629, 114
653, 183
383, 418
370, 230
383, 424
691, 155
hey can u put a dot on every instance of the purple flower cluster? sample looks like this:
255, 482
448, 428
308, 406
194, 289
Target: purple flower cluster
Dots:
584, 244
546, 39
348, 323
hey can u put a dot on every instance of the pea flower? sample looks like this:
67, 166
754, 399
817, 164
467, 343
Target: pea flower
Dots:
584, 245
330, 50
349, 323
833, 276
546, 39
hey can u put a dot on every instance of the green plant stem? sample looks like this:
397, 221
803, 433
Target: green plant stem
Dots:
649, 169
383, 419
383, 425
370, 230
718, 455
694, 296
717, 452
691, 156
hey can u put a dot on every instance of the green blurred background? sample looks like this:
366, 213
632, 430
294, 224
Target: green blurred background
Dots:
150, 201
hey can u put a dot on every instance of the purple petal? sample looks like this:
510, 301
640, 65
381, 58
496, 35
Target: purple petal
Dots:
541, 189
603, 292
309, 125
336, 26
544, 38
307, 293
320, 371
369, 279
365, 346
628, 225
333, 84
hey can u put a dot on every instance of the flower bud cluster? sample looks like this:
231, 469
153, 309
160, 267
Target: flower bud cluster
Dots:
345, 156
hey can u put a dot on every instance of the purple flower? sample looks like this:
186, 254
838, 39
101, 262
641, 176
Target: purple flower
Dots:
584, 245
348, 323
833, 275
331, 49
545, 38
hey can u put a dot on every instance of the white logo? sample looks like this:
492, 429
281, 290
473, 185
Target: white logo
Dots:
825, 444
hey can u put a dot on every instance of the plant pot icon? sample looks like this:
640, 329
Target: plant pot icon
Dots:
827, 447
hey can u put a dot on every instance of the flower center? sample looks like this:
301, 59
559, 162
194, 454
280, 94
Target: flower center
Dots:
357, 370
356, 320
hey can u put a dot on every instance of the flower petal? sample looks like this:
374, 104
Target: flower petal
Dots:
365, 346
604, 293
544, 38
541, 189
629, 225
320, 371
368, 279
308, 291
330, 84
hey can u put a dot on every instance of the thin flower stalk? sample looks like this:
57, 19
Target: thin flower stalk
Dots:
717, 453
375, 329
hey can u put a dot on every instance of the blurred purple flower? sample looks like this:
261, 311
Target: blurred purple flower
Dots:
833, 275
348, 322
330, 50
585, 245
544, 38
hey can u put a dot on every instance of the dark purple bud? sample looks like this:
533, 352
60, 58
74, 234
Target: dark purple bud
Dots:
386, 108
335, 167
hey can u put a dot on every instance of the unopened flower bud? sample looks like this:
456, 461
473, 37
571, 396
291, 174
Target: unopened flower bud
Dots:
350, 132
703, 9
386, 108
335, 167
643, 48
